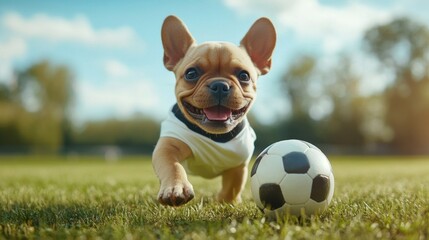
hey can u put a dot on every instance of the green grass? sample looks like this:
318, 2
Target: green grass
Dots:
87, 198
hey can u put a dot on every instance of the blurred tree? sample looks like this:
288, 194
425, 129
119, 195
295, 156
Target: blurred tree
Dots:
46, 93
34, 115
402, 47
5, 93
343, 125
35, 111
297, 82
327, 106
10, 110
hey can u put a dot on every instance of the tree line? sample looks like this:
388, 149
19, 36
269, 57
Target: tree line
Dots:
395, 117
328, 106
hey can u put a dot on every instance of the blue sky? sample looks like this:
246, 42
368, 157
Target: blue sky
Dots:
115, 51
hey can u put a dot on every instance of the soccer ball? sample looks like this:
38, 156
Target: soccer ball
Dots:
292, 177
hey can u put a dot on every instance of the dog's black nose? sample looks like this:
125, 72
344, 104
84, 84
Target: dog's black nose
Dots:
219, 88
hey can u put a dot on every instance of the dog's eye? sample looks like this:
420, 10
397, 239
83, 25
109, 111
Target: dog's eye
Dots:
192, 74
243, 76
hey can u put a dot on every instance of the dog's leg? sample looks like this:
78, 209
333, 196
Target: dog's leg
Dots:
233, 181
175, 188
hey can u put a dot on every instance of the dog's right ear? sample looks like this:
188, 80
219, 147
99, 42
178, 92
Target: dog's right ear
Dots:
176, 40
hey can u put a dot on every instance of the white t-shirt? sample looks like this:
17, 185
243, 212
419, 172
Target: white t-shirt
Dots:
211, 157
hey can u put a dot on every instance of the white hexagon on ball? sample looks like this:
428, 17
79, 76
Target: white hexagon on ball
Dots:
296, 188
318, 163
271, 171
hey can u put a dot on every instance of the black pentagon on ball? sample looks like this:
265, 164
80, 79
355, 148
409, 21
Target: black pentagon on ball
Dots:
320, 188
296, 162
271, 196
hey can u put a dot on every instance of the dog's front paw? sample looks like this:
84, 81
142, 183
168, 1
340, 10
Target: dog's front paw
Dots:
176, 194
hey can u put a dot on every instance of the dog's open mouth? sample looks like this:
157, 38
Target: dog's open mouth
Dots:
216, 113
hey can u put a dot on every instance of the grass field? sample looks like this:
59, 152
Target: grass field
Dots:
88, 198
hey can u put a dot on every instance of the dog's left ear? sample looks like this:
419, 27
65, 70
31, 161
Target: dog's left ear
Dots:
259, 43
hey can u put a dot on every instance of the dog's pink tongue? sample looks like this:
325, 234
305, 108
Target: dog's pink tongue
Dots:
217, 113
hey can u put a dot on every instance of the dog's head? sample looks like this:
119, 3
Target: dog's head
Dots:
216, 81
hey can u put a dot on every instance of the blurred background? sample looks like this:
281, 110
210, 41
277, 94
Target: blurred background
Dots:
86, 77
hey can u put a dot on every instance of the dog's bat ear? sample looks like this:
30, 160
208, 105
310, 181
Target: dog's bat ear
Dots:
176, 40
259, 43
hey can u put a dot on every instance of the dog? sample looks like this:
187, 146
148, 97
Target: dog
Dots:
206, 132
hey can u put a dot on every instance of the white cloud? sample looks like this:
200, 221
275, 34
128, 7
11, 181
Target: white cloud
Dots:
10, 49
57, 29
333, 26
258, 6
116, 98
116, 69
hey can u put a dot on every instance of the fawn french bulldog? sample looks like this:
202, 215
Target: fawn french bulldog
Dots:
207, 132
